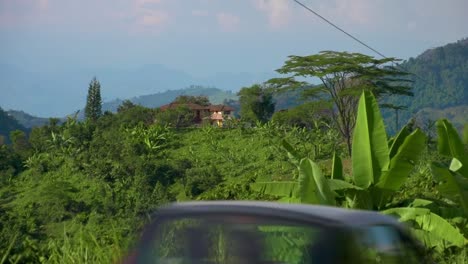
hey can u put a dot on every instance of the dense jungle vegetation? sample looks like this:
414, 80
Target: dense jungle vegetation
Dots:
79, 191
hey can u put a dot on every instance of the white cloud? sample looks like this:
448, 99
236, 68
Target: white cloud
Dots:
150, 15
228, 22
356, 11
278, 11
43, 4
153, 18
144, 2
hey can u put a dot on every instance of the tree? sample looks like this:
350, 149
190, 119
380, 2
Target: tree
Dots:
256, 103
127, 104
186, 99
344, 76
20, 143
93, 109
178, 117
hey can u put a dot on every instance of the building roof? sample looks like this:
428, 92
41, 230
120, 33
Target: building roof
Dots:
217, 108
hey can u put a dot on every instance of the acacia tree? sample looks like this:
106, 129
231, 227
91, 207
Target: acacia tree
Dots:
343, 77
93, 109
256, 103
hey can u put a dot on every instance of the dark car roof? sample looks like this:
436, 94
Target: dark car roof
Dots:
326, 215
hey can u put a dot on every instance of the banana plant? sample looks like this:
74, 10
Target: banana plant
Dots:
379, 170
310, 187
452, 181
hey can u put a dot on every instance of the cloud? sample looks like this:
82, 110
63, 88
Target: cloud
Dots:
150, 15
278, 11
43, 4
153, 18
356, 11
146, 2
228, 22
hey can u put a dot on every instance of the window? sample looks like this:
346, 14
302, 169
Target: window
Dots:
243, 239
383, 244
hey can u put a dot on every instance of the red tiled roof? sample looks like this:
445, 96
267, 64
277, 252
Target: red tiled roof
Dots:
217, 108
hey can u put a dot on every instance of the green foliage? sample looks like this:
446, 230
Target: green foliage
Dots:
304, 115
186, 99
93, 109
178, 117
80, 191
256, 103
453, 181
430, 227
344, 76
7, 125
465, 134
125, 105
370, 150
441, 74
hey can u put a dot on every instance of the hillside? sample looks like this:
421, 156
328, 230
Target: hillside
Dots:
215, 95
441, 82
59, 92
27, 120
8, 124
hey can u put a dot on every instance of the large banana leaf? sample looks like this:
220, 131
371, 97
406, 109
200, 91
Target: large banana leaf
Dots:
358, 199
337, 167
276, 188
427, 221
313, 186
450, 144
336, 185
452, 185
292, 153
398, 141
370, 154
401, 165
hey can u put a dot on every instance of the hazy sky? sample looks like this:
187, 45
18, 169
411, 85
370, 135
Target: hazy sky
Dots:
203, 37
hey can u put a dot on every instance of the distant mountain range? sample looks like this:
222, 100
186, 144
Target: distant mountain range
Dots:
62, 92
215, 95
7, 124
440, 89
26, 120
440, 85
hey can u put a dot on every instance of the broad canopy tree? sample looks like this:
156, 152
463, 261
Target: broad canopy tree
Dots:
256, 103
343, 77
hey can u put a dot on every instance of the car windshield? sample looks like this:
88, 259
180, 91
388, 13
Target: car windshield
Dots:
241, 239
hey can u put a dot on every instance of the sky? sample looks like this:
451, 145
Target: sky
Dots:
202, 37
205, 37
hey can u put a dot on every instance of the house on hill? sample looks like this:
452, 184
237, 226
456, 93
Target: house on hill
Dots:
214, 114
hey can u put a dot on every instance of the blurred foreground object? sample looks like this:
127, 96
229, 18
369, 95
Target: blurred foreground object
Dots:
267, 232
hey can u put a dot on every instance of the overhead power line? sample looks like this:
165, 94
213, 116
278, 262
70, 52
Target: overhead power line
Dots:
340, 29
351, 36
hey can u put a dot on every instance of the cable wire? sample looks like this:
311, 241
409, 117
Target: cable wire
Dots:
353, 37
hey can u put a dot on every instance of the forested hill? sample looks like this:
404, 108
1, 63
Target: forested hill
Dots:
8, 124
215, 95
27, 120
441, 81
